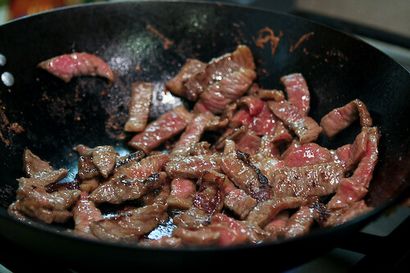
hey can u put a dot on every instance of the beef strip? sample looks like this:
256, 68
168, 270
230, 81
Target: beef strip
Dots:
192, 218
138, 109
192, 167
253, 104
340, 118
167, 242
33, 165
304, 127
76, 64
239, 202
300, 222
86, 168
181, 85
233, 232
85, 213
277, 227
160, 130
193, 133
104, 158
225, 79
297, 91
306, 154
48, 207
354, 188
203, 236
247, 177
132, 180
341, 216
89, 185
276, 95
248, 143
158, 196
311, 180
210, 197
182, 193
131, 225
43, 178
265, 211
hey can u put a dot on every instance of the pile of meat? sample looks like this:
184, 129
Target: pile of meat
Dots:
241, 167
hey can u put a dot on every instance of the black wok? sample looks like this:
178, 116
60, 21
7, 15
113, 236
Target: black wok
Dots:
57, 116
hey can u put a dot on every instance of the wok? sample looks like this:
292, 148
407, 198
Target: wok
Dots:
132, 37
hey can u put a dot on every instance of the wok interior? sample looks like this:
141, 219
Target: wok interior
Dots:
57, 116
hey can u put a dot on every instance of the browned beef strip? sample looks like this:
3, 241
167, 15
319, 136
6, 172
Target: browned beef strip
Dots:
354, 188
192, 218
104, 158
192, 167
312, 180
265, 94
340, 118
304, 127
42, 179
33, 165
209, 197
297, 91
132, 180
203, 236
131, 225
85, 213
224, 80
157, 132
47, 207
341, 216
245, 175
182, 85
135, 156
277, 227
182, 193
192, 133
239, 202
138, 109
300, 222
86, 168
89, 185
265, 211
168, 242
158, 196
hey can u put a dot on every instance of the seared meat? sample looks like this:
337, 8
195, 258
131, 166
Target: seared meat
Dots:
192, 218
244, 170
354, 188
300, 223
33, 165
225, 79
341, 216
85, 213
131, 225
183, 84
304, 127
246, 176
193, 133
297, 91
182, 193
168, 242
158, 131
306, 154
76, 64
277, 227
312, 180
265, 211
340, 118
141, 94
203, 236
132, 180
48, 207
239, 202
192, 166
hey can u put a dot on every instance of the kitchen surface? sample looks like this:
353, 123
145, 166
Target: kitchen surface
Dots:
383, 24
